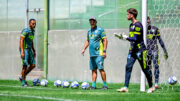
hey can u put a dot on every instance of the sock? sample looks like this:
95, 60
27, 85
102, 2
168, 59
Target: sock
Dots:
93, 84
125, 87
105, 84
21, 77
23, 82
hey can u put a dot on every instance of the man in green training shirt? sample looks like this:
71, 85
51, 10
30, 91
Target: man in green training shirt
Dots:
27, 50
97, 42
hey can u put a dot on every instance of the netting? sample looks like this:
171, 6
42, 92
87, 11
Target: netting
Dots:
165, 15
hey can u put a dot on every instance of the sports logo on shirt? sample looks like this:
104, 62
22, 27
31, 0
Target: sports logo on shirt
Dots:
153, 30
133, 26
91, 36
31, 37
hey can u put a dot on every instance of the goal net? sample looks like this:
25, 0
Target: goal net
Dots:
165, 14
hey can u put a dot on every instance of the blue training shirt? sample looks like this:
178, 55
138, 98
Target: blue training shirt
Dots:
95, 38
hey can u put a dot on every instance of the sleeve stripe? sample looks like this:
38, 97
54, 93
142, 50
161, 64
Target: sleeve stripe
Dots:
138, 33
137, 28
103, 37
23, 36
158, 34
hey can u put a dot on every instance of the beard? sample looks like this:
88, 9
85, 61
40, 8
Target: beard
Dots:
149, 26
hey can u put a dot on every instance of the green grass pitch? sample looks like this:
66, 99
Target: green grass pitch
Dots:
11, 90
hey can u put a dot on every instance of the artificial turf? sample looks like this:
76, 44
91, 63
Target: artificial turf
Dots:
11, 90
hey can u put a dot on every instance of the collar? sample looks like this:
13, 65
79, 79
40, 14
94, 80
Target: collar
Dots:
149, 27
32, 30
94, 28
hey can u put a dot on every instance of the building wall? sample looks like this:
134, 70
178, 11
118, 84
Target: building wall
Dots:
9, 55
65, 61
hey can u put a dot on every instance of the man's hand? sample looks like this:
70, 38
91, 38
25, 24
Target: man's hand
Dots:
118, 35
122, 36
34, 54
104, 55
22, 55
165, 55
82, 52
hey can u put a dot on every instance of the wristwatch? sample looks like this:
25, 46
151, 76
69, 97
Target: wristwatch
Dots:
104, 51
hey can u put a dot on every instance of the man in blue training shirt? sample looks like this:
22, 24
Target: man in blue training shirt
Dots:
153, 35
137, 50
27, 50
97, 42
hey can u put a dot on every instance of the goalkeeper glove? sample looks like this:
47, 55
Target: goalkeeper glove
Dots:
165, 55
121, 36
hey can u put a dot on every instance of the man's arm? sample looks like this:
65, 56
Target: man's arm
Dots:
33, 49
21, 46
134, 39
105, 41
160, 40
133, 35
162, 44
85, 46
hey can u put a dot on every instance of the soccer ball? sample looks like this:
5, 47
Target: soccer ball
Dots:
85, 85
44, 83
57, 83
74, 84
65, 84
36, 82
172, 80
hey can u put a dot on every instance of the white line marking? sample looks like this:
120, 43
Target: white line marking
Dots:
28, 87
37, 97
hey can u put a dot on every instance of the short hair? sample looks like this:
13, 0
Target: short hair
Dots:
148, 18
31, 20
133, 11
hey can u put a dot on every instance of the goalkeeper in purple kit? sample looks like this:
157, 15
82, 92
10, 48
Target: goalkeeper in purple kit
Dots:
153, 35
137, 50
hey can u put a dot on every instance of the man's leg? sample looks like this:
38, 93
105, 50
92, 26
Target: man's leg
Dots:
30, 68
94, 77
130, 62
149, 59
103, 76
24, 63
145, 68
31, 62
24, 75
100, 66
93, 67
156, 67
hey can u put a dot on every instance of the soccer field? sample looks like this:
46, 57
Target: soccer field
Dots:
11, 90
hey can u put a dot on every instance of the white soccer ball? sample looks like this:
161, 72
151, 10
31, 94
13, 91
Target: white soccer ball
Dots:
65, 84
44, 82
172, 80
85, 85
75, 84
57, 83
